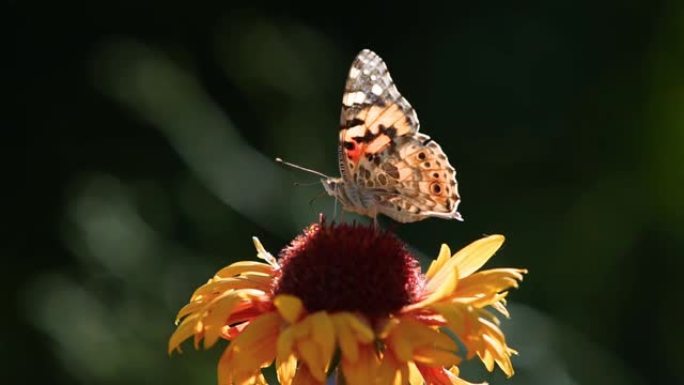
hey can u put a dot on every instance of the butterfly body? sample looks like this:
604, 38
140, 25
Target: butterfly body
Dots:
351, 197
388, 167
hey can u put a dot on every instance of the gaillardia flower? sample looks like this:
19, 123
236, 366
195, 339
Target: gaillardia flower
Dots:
351, 300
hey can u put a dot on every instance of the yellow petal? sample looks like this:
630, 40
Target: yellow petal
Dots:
360, 327
263, 254
285, 343
244, 267
453, 314
389, 370
247, 280
437, 292
241, 377
490, 281
412, 340
258, 279
286, 369
415, 378
260, 380
474, 256
290, 307
386, 327
323, 334
345, 338
500, 306
500, 352
494, 347
256, 345
217, 286
403, 375
435, 357
467, 260
302, 329
225, 370
487, 360
310, 354
199, 334
493, 330
401, 346
423, 335
257, 357
184, 331
219, 311
442, 258
187, 309
304, 377
441, 376
363, 371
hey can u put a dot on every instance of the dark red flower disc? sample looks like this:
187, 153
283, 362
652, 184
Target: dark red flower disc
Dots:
349, 268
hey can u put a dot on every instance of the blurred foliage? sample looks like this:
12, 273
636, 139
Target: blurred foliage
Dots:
152, 128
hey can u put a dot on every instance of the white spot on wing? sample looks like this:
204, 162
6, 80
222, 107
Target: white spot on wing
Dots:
376, 89
351, 98
354, 72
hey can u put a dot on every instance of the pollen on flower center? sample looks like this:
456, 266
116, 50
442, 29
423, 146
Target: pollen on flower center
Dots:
349, 268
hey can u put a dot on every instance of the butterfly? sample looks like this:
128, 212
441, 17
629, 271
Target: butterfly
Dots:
387, 166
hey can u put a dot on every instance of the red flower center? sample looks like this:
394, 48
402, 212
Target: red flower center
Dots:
349, 268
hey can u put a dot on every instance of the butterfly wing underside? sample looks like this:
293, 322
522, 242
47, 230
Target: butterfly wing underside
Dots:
383, 156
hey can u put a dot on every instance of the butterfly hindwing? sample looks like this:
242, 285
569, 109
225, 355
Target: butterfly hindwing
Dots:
412, 182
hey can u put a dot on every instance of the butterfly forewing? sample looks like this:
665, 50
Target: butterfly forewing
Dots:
386, 164
370, 90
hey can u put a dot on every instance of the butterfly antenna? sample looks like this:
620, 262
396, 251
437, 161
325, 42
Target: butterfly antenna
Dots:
306, 184
301, 168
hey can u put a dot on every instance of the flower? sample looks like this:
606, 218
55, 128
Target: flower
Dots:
351, 300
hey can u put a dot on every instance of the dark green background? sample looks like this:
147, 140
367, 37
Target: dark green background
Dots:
150, 129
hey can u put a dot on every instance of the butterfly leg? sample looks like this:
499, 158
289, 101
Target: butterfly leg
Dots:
335, 210
339, 214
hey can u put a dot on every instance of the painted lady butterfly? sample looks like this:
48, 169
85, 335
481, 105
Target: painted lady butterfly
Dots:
388, 167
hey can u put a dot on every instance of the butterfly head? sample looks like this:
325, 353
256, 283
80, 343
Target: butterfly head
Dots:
332, 186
